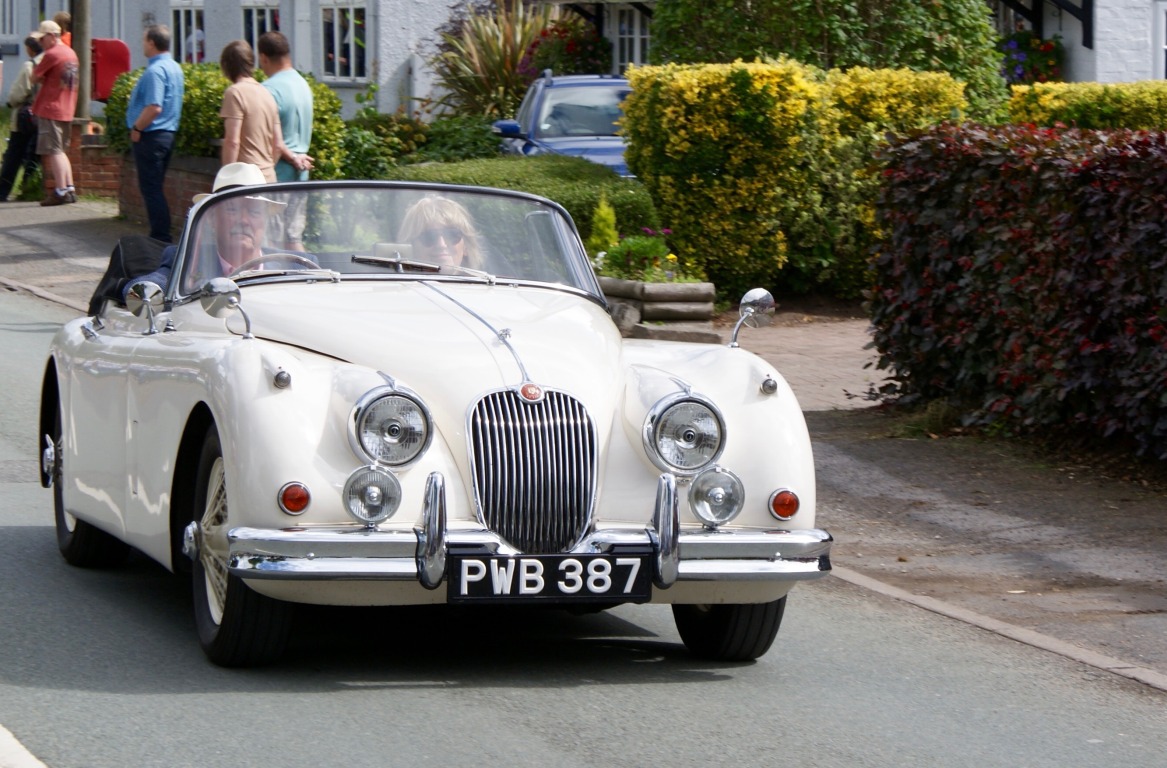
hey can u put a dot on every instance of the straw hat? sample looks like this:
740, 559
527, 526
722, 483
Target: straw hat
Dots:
234, 175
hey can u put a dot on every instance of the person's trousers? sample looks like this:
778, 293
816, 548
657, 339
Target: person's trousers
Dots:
21, 151
152, 156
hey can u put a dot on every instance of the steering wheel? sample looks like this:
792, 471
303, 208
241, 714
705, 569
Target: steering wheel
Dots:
266, 258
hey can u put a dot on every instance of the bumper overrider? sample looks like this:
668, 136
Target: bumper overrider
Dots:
369, 554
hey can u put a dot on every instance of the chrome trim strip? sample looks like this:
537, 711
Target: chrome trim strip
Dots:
502, 335
354, 552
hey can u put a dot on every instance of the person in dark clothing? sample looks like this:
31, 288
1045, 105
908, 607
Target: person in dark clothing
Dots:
21, 151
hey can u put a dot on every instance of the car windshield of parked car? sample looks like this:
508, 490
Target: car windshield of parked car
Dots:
581, 111
380, 231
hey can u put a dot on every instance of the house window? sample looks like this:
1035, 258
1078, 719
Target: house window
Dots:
260, 16
343, 27
631, 36
1160, 32
7, 17
187, 41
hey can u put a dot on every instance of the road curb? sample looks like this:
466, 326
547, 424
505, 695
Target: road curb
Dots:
14, 285
1106, 663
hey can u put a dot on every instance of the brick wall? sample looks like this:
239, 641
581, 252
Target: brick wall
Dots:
99, 171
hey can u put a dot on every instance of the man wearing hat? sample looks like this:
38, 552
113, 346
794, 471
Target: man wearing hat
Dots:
57, 74
239, 227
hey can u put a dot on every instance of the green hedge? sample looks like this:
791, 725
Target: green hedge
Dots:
1022, 277
573, 182
201, 124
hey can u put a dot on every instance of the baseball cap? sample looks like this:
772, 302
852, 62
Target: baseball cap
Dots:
49, 27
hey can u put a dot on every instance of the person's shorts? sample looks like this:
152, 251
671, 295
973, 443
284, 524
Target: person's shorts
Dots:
286, 228
52, 136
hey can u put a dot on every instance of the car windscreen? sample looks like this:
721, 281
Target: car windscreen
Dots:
381, 230
581, 111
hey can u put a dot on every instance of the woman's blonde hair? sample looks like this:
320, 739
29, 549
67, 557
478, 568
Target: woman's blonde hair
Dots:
433, 212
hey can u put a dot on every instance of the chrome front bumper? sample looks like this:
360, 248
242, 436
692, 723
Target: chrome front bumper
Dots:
352, 553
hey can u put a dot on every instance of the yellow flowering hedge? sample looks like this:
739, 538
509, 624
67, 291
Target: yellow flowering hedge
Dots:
763, 171
718, 146
1138, 106
893, 99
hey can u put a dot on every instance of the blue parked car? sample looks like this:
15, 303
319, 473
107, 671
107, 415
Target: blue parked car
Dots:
570, 115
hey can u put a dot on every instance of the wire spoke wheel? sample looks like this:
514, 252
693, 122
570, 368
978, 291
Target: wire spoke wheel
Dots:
237, 626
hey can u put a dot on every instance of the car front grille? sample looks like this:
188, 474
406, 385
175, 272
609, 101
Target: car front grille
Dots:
534, 469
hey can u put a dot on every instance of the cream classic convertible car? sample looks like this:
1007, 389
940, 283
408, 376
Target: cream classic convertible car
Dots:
428, 404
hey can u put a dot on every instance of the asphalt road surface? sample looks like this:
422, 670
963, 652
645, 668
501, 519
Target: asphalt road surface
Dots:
102, 668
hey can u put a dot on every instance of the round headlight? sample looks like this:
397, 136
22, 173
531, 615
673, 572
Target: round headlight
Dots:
371, 495
716, 496
684, 435
392, 429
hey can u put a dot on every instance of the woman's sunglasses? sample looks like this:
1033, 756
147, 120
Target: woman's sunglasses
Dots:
429, 238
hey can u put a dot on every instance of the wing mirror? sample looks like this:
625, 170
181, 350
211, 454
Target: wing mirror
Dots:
220, 297
757, 301
145, 298
508, 129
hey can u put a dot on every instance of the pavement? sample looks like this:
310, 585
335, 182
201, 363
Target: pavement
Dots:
59, 253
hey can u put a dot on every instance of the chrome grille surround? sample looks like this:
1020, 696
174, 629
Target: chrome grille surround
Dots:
534, 466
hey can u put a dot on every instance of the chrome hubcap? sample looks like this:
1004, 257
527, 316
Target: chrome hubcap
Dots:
213, 548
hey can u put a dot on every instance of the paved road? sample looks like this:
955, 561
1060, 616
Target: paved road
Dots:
850, 671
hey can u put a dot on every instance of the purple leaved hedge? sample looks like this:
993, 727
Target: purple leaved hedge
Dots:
1023, 273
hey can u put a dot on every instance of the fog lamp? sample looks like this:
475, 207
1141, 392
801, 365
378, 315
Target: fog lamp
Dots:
716, 496
784, 504
371, 495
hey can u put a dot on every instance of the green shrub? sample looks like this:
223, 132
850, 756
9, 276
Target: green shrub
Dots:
646, 256
953, 36
1141, 105
479, 68
201, 124
366, 155
457, 137
604, 234
573, 182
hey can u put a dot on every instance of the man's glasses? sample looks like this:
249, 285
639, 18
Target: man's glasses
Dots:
429, 238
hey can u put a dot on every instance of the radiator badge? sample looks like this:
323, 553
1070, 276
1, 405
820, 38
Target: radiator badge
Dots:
531, 392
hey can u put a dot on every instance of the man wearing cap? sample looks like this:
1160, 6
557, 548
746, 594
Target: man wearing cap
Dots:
152, 116
239, 227
54, 106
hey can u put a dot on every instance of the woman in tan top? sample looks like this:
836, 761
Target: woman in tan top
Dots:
251, 120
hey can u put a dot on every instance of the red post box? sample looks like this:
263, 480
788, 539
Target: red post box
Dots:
110, 59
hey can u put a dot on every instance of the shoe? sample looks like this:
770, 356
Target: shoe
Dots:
70, 196
53, 198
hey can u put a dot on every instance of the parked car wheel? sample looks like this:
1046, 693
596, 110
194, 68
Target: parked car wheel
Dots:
237, 626
81, 544
729, 632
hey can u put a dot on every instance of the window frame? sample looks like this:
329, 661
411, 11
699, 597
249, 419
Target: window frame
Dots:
267, 13
331, 38
183, 15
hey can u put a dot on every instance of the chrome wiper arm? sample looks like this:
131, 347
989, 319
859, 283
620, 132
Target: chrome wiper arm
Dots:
423, 266
328, 274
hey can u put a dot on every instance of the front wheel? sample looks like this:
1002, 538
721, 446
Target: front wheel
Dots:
237, 626
729, 632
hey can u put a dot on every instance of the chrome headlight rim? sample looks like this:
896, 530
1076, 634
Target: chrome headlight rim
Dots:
361, 410
656, 415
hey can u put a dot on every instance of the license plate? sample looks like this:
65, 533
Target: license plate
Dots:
550, 578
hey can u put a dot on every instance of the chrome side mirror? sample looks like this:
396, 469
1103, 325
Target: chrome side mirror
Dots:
757, 301
220, 297
145, 297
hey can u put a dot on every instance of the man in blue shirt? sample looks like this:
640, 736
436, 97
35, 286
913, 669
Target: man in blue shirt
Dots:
293, 97
152, 117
